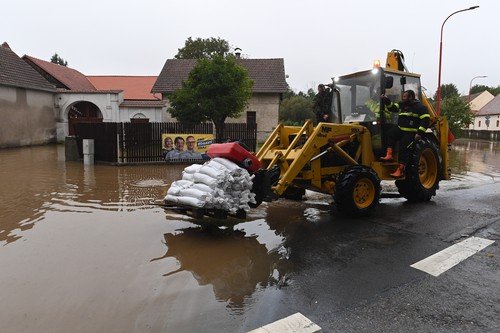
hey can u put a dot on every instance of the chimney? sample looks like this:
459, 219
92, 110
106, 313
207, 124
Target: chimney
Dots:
6, 46
237, 53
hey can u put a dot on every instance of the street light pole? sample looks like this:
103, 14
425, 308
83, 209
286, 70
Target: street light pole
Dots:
470, 85
441, 54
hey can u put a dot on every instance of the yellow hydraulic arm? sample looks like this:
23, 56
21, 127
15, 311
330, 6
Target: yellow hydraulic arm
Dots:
293, 148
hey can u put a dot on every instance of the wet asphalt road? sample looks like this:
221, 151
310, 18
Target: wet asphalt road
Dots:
355, 275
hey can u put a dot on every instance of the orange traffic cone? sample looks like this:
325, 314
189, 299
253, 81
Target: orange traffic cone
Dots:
399, 171
388, 155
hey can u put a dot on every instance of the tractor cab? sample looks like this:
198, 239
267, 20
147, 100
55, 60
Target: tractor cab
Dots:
357, 100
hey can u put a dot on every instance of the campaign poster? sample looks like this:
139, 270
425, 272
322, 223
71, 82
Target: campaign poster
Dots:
187, 142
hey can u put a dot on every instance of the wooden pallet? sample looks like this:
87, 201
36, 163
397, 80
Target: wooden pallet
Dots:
199, 213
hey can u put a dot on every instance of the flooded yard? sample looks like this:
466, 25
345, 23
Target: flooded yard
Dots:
85, 248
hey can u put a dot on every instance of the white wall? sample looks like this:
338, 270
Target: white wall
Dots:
480, 123
155, 115
108, 104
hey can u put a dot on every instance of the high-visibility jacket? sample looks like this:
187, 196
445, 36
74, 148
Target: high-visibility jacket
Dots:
413, 116
374, 106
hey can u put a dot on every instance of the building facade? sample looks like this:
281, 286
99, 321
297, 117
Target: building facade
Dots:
269, 85
26, 103
488, 117
477, 102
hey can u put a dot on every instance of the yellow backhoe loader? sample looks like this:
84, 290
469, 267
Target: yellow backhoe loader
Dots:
343, 158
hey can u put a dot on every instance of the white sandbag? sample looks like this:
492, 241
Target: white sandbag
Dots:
182, 183
194, 193
174, 190
212, 172
171, 198
205, 179
203, 187
188, 176
219, 183
216, 165
179, 185
191, 202
193, 168
231, 166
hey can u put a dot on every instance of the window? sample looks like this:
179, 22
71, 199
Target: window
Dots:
251, 117
479, 124
498, 122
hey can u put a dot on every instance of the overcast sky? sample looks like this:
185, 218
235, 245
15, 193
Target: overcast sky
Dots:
317, 39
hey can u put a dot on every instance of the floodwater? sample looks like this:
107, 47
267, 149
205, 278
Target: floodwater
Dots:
86, 249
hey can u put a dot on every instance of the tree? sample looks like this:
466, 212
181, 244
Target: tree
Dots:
296, 110
56, 59
203, 48
477, 88
447, 90
216, 89
457, 112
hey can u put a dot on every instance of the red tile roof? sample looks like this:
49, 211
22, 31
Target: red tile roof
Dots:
268, 74
134, 87
17, 73
66, 91
69, 77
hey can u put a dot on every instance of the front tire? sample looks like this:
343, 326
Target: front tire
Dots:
422, 174
357, 192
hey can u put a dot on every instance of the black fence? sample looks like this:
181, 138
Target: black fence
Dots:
105, 139
246, 133
481, 134
142, 142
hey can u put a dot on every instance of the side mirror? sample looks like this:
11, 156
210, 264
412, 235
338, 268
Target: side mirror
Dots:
402, 80
389, 82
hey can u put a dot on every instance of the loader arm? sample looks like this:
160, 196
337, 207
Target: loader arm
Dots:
297, 152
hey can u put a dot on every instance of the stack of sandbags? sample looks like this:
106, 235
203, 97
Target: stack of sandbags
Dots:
217, 184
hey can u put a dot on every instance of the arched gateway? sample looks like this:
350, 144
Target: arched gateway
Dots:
82, 112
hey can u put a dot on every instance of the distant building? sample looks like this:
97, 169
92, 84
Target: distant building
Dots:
269, 85
76, 99
488, 117
26, 103
89, 99
477, 102
138, 101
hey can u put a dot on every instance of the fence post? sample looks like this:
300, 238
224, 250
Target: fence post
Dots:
88, 151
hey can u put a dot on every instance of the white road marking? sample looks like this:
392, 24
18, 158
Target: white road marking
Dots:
295, 323
444, 260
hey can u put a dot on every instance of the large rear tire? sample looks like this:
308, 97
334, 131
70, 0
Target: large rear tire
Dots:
423, 172
357, 192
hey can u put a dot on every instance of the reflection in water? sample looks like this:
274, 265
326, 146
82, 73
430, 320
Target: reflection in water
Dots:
36, 180
475, 156
233, 264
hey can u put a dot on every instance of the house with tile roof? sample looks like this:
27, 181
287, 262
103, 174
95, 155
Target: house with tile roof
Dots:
76, 99
81, 98
477, 102
26, 103
138, 101
488, 117
269, 85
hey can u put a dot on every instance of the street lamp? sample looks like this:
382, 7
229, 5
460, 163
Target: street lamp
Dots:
470, 85
441, 53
